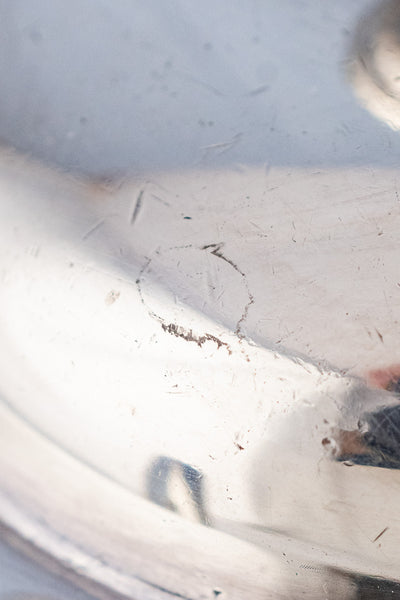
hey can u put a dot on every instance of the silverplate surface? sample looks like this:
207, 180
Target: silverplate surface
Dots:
200, 292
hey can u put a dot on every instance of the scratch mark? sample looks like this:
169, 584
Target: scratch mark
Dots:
258, 91
160, 200
173, 328
180, 247
222, 146
388, 306
255, 225
34, 251
244, 316
93, 229
379, 335
217, 252
203, 84
380, 535
154, 586
137, 207
138, 282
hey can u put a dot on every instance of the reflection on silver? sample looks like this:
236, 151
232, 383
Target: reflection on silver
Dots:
374, 67
178, 487
376, 442
179, 456
183, 409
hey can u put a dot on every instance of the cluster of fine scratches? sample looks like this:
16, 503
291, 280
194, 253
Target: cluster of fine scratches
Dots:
216, 251
177, 330
188, 335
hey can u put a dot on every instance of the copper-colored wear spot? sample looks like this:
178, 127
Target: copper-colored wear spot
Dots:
351, 443
386, 379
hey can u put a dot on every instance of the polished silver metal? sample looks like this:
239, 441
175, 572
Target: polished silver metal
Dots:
199, 371
374, 64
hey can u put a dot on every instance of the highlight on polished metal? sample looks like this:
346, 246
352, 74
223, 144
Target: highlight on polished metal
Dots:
148, 441
374, 66
200, 367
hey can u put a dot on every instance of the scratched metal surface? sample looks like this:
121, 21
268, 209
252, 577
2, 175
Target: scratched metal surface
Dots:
149, 86
179, 328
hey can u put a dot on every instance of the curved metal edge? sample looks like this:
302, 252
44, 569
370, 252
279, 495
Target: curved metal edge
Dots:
108, 539
46, 561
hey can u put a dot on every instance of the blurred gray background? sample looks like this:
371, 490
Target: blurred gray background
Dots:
124, 85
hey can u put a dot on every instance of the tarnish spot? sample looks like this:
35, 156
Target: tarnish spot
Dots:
189, 336
173, 328
111, 297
